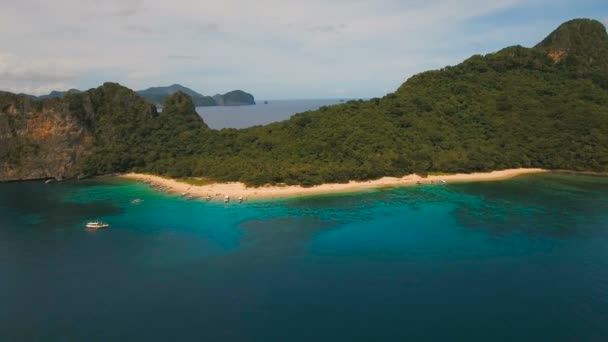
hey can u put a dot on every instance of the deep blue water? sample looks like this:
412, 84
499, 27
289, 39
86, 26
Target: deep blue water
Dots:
524, 259
259, 114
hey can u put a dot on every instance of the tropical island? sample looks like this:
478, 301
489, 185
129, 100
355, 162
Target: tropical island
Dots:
544, 107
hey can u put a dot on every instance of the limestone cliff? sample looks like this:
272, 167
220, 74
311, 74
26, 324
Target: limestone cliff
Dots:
50, 138
41, 139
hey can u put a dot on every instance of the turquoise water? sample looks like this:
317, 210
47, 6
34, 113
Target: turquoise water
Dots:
524, 259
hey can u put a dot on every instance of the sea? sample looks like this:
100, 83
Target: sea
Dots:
262, 113
524, 259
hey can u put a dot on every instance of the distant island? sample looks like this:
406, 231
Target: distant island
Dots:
543, 107
53, 94
157, 96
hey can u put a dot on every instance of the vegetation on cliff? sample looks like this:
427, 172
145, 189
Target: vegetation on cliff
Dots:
545, 106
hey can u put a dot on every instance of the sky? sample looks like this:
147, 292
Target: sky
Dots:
275, 49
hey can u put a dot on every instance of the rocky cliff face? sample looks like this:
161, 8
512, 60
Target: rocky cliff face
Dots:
41, 139
51, 138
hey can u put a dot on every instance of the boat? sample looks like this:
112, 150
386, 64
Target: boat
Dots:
96, 225
443, 181
48, 181
241, 199
226, 199
137, 201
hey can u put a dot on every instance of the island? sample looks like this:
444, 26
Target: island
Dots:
157, 96
544, 107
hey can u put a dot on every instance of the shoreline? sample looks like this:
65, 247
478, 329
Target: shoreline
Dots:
235, 191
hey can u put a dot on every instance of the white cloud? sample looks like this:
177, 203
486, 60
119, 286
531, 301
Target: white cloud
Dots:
31, 76
33, 89
274, 48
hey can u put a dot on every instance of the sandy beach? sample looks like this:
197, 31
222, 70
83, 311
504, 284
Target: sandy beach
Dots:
236, 191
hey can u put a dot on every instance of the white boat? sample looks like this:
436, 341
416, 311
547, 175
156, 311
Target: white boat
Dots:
226, 199
97, 225
137, 201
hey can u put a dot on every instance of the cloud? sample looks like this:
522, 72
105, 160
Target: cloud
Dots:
123, 8
138, 28
327, 28
211, 27
184, 57
37, 90
273, 48
17, 69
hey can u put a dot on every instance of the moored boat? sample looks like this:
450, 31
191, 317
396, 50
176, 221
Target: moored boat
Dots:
94, 225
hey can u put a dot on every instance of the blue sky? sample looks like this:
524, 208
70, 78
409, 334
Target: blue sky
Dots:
275, 49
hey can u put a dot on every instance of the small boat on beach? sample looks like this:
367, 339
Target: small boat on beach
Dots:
94, 225
226, 199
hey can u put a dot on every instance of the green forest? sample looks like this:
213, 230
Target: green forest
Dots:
545, 106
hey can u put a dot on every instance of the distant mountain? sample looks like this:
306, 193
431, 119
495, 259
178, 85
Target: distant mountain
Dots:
53, 94
157, 95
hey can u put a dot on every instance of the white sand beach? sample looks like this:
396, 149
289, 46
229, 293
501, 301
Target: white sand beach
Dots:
236, 191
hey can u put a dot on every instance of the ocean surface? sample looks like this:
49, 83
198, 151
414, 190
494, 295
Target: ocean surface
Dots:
518, 260
259, 114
